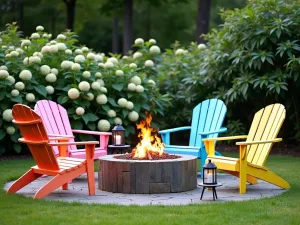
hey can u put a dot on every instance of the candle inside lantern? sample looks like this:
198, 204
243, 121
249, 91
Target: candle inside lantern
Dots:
209, 178
118, 139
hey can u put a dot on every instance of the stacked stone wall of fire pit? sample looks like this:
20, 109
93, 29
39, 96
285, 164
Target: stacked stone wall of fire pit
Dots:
147, 176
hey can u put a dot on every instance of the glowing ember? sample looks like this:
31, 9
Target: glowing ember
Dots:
150, 143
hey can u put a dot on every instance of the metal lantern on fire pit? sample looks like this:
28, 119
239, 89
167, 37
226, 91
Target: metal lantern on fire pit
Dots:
118, 135
210, 173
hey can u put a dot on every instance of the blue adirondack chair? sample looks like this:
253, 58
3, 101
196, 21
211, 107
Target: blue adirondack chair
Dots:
207, 120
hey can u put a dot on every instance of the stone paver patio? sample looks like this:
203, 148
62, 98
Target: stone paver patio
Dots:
228, 192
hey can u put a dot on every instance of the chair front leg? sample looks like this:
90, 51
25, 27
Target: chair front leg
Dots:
243, 168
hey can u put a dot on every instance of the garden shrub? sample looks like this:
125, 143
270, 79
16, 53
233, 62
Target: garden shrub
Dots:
98, 91
254, 59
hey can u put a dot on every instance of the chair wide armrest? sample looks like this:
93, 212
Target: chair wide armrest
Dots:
221, 130
259, 142
210, 143
60, 138
226, 138
61, 135
91, 132
165, 134
174, 130
89, 148
74, 143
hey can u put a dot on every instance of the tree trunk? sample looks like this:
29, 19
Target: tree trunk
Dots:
53, 25
202, 19
115, 35
70, 4
127, 32
21, 15
148, 24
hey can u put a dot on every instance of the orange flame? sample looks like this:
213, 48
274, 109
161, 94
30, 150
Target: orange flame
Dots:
150, 142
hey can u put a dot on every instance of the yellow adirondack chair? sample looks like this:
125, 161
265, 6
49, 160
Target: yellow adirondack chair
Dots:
254, 151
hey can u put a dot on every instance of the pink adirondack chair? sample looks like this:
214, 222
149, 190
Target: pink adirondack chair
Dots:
56, 121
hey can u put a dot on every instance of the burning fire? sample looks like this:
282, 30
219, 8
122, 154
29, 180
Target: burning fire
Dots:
150, 143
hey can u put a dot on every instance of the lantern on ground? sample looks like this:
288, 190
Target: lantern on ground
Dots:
118, 135
210, 173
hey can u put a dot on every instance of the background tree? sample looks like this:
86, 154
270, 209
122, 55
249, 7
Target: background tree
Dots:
166, 21
203, 17
70, 7
127, 29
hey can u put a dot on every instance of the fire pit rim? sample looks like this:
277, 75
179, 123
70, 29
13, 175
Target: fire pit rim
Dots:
113, 159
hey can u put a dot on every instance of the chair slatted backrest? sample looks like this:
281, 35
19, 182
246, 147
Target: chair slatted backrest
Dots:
265, 126
56, 120
207, 116
34, 134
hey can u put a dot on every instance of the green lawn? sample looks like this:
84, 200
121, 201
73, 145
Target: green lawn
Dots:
284, 209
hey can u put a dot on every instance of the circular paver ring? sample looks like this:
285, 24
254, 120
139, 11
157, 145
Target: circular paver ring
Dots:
78, 192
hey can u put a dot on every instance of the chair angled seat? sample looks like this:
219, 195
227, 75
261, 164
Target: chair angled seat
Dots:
56, 121
254, 151
63, 169
207, 120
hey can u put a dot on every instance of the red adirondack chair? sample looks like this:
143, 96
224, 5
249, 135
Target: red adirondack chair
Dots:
56, 121
63, 169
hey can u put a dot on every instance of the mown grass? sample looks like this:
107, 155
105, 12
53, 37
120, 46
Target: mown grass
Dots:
283, 209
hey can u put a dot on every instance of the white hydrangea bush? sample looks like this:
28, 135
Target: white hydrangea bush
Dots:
99, 91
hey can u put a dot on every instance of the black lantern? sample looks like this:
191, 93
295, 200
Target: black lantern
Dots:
118, 135
210, 173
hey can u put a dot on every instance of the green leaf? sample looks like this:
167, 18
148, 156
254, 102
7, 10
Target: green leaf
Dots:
15, 137
2, 134
130, 129
92, 117
71, 111
129, 95
86, 118
278, 33
62, 99
66, 88
77, 125
41, 90
2, 95
270, 60
2, 149
17, 147
154, 125
106, 107
86, 137
137, 107
124, 112
17, 99
89, 117
147, 107
92, 126
112, 102
118, 87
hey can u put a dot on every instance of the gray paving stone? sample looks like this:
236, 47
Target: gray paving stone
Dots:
78, 192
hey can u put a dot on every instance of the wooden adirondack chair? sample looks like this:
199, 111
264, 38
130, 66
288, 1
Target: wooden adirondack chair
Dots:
254, 151
207, 120
63, 169
56, 121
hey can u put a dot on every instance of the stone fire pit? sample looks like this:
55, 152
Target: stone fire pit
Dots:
147, 176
